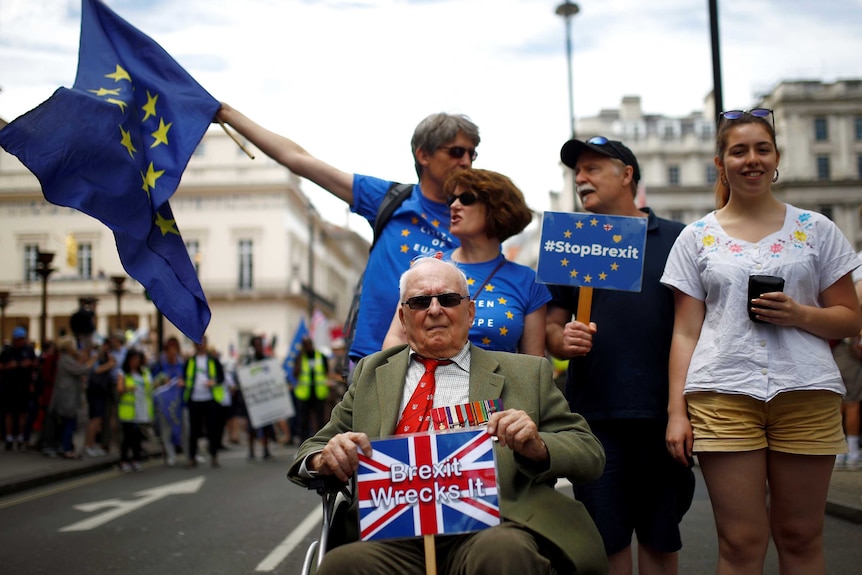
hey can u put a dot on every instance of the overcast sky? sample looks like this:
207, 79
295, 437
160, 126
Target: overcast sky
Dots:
350, 79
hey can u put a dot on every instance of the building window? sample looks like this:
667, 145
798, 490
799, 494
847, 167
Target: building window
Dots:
858, 128
31, 253
826, 211
711, 173
821, 129
246, 263
85, 261
193, 247
859, 166
673, 175
822, 167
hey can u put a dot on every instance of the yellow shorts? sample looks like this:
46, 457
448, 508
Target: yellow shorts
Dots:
799, 422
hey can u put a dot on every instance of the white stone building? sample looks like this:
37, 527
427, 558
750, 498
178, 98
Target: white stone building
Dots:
819, 132
245, 223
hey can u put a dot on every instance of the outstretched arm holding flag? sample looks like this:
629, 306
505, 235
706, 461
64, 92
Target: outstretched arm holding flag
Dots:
115, 146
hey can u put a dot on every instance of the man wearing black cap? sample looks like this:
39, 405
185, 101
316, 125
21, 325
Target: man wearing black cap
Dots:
618, 374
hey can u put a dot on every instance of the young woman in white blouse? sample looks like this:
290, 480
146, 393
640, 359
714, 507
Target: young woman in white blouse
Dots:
759, 401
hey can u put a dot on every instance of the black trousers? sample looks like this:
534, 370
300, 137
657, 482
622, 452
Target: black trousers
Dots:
205, 416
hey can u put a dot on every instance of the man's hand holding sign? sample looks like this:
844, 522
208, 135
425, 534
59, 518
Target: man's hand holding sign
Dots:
488, 492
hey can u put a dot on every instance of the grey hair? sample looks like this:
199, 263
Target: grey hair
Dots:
402, 283
620, 167
438, 130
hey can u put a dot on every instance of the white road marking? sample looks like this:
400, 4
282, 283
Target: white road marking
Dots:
286, 547
121, 507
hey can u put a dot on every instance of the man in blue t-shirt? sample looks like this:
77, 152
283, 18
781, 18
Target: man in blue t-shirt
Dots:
618, 375
442, 143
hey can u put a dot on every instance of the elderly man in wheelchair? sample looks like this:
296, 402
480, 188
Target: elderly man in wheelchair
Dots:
538, 440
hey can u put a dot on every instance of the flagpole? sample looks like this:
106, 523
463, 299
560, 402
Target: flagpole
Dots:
232, 137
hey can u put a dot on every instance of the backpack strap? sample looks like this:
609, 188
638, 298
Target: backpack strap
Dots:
395, 196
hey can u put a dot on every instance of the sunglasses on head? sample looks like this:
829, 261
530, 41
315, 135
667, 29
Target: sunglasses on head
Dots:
755, 112
457, 152
465, 198
598, 140
421, 302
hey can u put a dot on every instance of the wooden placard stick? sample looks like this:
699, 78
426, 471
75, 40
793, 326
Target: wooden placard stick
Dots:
585, 302
430, 555
234, 138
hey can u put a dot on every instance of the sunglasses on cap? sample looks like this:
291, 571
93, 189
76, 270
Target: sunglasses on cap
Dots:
421, 302
598, 140
755, 112
457, 152
467, 198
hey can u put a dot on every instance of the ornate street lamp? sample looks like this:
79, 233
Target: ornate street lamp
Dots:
118, 290
43, 270
4, 301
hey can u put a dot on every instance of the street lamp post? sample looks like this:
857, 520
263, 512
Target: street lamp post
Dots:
118, 291
567, 10
44, 269
4, 301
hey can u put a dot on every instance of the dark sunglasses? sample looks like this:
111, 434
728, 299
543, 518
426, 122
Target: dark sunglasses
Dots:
457, 152
756, 112
421, 302
466, 199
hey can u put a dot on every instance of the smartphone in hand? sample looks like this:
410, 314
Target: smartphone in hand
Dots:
759, 285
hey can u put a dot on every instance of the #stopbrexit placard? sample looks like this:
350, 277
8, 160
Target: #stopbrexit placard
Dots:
592, 250
428, 484
265, 392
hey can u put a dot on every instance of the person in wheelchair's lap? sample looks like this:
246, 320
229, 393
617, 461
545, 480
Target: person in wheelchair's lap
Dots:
539, 440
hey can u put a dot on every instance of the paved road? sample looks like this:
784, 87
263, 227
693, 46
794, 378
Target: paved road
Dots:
241, 518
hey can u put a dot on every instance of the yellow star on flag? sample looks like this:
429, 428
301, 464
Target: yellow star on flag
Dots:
603, 276
161, 135
150, 178
594, 222
150, 107
564, 262
166, 226
119, 103
435, 223
404, 248
510, 315
486, 340
574, 273
502, 301
106, 92
405, 232
504, 330
615, 266
489, 287
119, 74
414, 220
126, 141
470, 281
579, 224
567, 234
588, 278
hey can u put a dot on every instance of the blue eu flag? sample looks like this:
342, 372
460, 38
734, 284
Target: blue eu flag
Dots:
295, 348
115, 146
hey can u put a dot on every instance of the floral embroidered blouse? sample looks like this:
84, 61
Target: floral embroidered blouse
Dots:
734, 354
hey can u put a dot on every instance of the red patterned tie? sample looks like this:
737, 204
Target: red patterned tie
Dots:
417, 414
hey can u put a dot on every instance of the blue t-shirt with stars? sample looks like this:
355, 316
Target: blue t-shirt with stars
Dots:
504, 302
418, 227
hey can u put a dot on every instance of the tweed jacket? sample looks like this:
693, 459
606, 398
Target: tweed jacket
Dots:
526, 489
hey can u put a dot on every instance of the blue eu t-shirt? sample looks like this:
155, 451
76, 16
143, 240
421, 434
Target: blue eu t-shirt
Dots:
418, 227
509, 296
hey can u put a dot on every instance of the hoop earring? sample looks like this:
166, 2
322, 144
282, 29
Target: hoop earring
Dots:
775, 177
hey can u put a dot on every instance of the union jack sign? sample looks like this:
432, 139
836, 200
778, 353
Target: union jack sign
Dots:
428, 484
